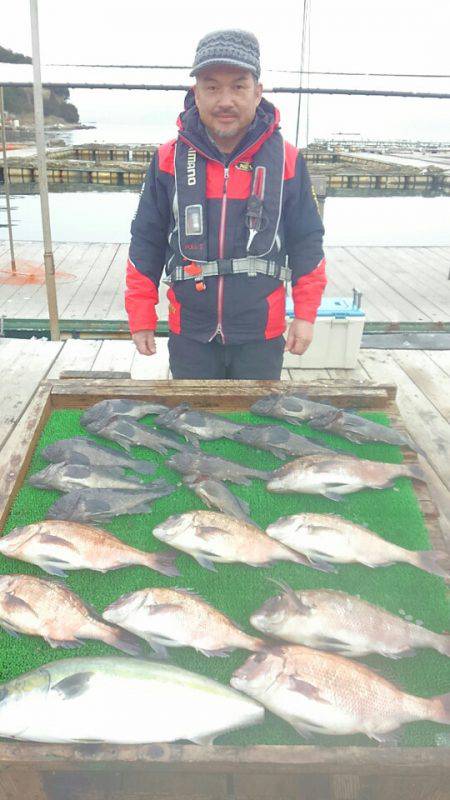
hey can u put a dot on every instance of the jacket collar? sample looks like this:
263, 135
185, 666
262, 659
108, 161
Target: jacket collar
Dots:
191, 129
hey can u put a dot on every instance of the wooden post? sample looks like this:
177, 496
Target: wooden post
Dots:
43, 184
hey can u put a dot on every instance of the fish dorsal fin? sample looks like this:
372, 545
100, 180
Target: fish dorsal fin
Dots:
73, 686
290, 593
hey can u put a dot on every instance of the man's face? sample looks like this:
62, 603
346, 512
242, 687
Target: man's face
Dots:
227, 99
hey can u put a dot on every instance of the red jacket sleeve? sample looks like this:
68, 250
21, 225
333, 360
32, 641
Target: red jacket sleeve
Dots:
307, 293
141, 297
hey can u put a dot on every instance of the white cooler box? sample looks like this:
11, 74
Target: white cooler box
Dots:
337, 335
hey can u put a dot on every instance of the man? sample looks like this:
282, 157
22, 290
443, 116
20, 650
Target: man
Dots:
228, 209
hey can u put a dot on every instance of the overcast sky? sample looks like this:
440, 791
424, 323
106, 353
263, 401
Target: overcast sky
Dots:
400, 36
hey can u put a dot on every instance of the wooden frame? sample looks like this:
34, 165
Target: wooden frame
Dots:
346, 770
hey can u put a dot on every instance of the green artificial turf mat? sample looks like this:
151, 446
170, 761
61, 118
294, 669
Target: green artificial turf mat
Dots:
238, 590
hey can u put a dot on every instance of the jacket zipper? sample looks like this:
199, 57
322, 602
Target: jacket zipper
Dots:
220, 281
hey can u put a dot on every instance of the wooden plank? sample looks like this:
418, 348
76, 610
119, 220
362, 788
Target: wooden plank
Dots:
220, 395
413, 270
154, 367
24, 785
24, 252
387, 270
377, 306
112, 279
77, 263
28, 363
441, 358
17, 451
77, 354
116, 310
423, 422
299, 759
114, 356
31, 299
433, 382
93, 274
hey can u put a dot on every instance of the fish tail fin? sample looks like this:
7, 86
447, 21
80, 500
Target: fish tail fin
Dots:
164, 563
434, 561
257, 645
143, 467
122, 640
442, 644
263, 474
440, 709
414, 471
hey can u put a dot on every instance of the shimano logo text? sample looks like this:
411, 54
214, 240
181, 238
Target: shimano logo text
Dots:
191, 159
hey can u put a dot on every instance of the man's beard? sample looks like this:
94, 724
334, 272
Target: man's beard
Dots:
228, 133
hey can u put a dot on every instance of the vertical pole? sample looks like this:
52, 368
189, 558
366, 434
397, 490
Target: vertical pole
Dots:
6, 180
42, 167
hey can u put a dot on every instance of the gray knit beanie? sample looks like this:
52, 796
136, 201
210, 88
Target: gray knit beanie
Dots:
234, 47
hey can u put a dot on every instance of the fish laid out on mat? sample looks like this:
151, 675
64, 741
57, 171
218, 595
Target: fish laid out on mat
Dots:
343, 624
127, 432
99, 505
66, 477
179, 618
358, 429
328, 539
217, 496
195, 425
279, 441
318, 692
121, 407
57, 545
47, 608
80, 450
337, 475
194, 462
122, 701
294, 407
209, 536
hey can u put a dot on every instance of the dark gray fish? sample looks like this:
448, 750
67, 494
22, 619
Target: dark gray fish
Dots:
66, 477
292, 407
196, 425
80, 450
194, 462
99, 505
357, 429
216, 495
127, 432
279, 441
121, 407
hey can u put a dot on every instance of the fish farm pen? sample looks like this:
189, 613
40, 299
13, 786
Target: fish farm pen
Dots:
269, 759
114, 165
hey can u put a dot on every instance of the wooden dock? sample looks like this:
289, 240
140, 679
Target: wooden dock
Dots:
422, 379
404, 288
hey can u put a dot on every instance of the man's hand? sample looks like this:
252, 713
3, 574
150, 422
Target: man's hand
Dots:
299, 336
145, 342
